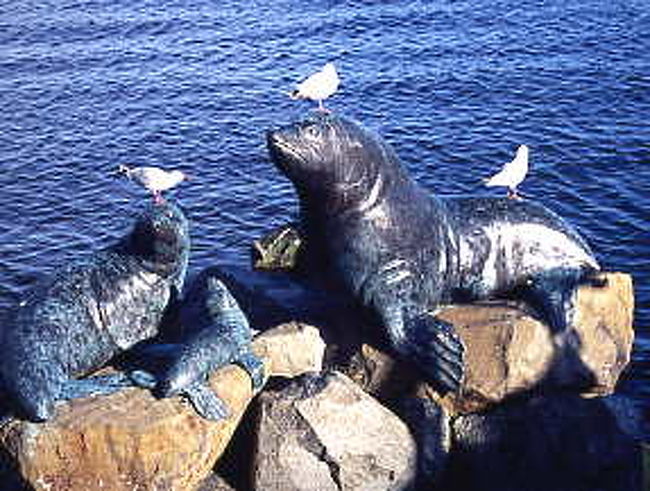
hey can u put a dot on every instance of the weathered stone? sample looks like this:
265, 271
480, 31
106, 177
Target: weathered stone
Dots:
509, 352
559, 443
326, 433
214, 482
129, 440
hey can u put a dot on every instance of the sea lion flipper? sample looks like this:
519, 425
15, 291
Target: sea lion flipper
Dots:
437, 350
254, 366
143, 378
96, 385
206, 403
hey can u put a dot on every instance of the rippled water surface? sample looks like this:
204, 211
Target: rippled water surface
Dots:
454, 86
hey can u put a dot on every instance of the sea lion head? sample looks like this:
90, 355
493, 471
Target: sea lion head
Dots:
331, 160
160, 239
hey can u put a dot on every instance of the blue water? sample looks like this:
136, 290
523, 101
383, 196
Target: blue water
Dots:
454, 85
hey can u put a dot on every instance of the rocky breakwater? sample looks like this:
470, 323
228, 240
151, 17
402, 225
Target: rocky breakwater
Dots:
71, 421
524, 418
533, 412
131, 440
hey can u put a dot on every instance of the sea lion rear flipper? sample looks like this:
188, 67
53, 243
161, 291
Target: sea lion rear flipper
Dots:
437, 350
254, 366
206, 402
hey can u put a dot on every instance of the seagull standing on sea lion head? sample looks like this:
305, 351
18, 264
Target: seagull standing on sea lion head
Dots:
154, 179
318, 86
512, 173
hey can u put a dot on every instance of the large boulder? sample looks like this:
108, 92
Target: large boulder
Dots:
510, 352
324, 432
131, 440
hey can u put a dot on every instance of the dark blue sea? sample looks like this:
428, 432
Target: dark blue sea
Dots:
454, 85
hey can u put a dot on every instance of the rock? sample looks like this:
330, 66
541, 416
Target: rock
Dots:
324, 432
130, 440
509, 352
214, 482
559, 443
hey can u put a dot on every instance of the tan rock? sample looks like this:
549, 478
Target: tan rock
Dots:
604, 320
129, 440
508, 351
329, 434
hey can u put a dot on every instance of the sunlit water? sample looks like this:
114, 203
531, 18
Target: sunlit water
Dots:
454, 86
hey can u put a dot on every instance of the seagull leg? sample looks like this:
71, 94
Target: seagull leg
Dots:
157, 198
512, 194
321, 107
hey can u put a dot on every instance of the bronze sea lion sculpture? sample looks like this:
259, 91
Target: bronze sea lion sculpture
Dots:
215, 332
402, 252
85, 313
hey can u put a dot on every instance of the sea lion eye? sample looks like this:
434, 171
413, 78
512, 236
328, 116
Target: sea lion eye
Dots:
311, 132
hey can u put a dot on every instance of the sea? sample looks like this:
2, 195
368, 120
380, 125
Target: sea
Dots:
455, 86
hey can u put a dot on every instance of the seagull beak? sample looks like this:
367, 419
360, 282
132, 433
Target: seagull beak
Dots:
122, 170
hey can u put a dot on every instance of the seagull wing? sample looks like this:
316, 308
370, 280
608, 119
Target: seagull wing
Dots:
319, 85
512, 172
149, 177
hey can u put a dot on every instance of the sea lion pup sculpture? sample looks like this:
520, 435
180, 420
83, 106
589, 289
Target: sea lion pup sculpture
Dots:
403, 252
215, 333
85, 313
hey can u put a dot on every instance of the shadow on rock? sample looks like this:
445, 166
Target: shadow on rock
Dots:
559, 443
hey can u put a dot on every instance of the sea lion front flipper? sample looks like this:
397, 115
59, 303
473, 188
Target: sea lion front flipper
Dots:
436, 349
144, 379
96, 385
254, 366
206, 403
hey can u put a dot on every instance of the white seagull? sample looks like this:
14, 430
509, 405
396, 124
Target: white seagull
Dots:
318, 86
154, 179
512, 173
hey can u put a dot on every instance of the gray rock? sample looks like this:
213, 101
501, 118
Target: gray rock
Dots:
324, 432
559, 443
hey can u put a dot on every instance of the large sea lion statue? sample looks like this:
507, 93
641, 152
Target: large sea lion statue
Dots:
85, 313
402, 251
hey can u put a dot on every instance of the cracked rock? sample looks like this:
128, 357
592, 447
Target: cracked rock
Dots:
337, 438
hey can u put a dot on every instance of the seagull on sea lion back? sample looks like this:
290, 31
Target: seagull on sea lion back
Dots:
154, 179
318, 86
512, 173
